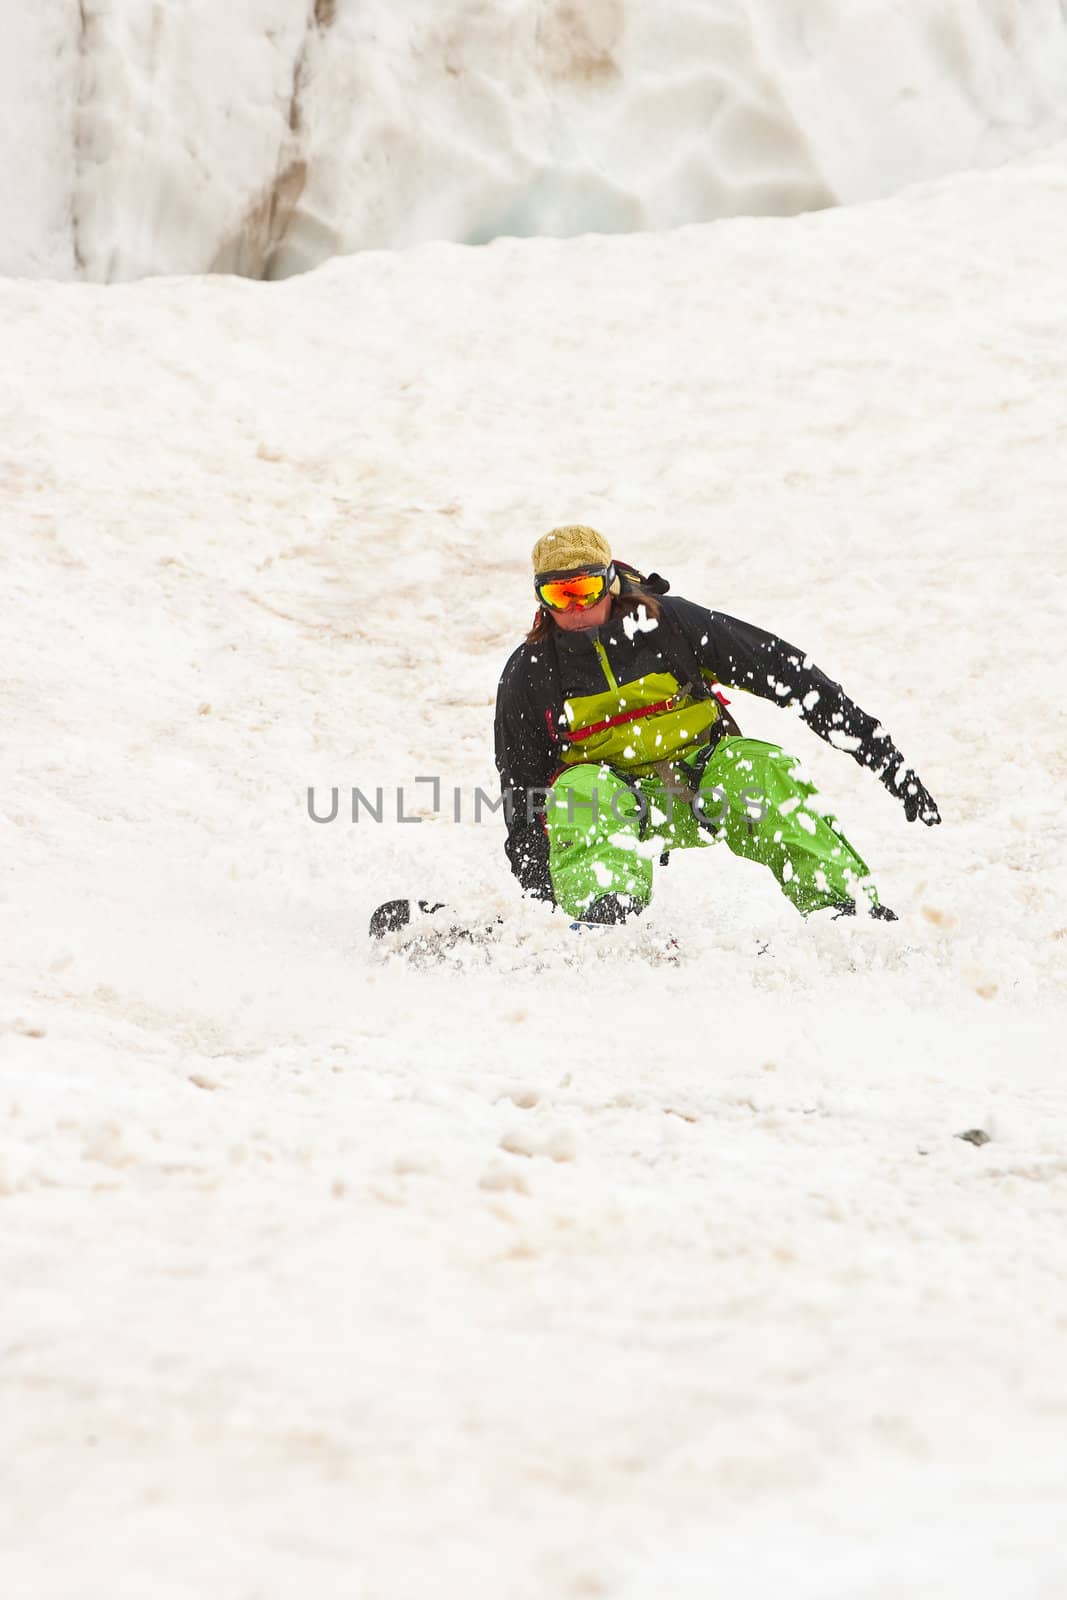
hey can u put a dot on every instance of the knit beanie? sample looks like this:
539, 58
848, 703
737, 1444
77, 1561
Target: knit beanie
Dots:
569, 547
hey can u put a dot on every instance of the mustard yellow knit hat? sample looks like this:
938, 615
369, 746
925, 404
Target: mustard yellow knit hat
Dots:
569, 547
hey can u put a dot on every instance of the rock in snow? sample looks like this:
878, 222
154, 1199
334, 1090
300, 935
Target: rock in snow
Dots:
261, 137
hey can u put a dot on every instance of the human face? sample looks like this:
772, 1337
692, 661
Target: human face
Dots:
576, 620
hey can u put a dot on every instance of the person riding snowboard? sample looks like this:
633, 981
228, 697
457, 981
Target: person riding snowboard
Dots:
614, 745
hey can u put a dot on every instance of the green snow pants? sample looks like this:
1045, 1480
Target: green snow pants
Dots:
605, 829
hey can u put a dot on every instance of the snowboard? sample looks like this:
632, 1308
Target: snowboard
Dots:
428, 931
392, 915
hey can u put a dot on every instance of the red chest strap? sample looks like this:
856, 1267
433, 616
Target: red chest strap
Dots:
623, 717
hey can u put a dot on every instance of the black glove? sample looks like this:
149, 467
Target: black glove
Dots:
905, 785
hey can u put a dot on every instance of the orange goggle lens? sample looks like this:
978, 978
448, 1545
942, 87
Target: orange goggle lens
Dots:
581, 591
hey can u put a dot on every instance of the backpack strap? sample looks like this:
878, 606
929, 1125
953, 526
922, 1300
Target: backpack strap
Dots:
680, 655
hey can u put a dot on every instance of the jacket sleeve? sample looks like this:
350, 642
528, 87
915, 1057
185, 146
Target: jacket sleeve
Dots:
525, 762
745, 657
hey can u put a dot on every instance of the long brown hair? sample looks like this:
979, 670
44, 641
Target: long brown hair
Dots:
631, 598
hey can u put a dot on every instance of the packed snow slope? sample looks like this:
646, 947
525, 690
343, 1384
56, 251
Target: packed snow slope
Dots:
563, 1269
264, 136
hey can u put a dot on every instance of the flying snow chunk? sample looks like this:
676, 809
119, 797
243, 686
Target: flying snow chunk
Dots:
638, 621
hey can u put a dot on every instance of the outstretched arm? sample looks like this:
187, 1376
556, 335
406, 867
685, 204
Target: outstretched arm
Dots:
746, 657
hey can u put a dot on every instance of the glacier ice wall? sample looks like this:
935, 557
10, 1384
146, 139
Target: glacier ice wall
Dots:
263, 136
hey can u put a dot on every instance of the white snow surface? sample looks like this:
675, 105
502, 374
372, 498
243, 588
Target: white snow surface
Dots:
561, 1269
264, 136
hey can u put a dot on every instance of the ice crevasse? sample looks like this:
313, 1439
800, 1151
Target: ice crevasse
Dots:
264, 136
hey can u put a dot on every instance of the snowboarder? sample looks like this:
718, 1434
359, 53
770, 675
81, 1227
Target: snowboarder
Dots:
614, 745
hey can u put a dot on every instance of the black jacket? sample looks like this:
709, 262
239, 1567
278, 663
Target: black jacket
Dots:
539, 676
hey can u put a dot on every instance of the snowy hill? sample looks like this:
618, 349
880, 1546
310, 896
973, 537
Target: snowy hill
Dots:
264, 136
570, 1271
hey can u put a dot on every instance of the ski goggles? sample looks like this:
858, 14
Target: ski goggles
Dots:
568, 591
